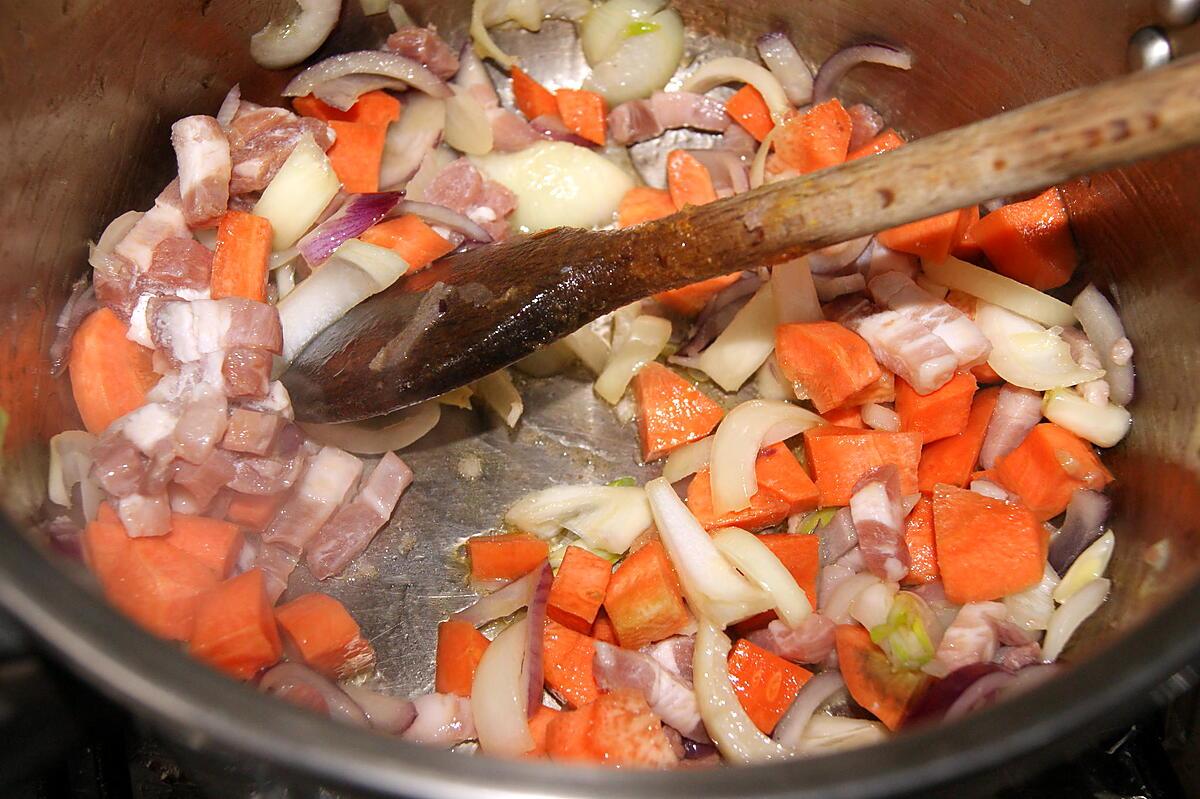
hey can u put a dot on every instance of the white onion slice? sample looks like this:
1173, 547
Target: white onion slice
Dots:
399, 15
1000, 290
1103, 425
871, 606
731, 69
377, 436
1030, 609
688, 459
1103, 326
589, 347
468, 128
735, 735
1090, 565
833, 733
70, 463
753, 559
501, 602
795, 293
549, 360
602, 30
499, 695
485, 46
372, 7
605, 517
647, 337
387, 65
643, 64
117, 230
837, 605
498, 393
300, 191
1028, 355
758, 168
1072, 613
418, 131
289, 40
814, 693
319, 301
780, 55
383, 265
744, 345
769, 383
877, 417
736, 444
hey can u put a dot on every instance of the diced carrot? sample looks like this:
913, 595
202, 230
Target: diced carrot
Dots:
882, 142
965, 246
253, 511
939, 414
840, 456
567, 665
748, 108
825, 359
326, 636
1047, 468
644, 204
532, 98
460, 647
847, 416
242, 257
801, 556
104, 545
688, 181
784, 488
765, 683
951, 460
816, 139
110, 374
690, 300
986, 375
539, 724
603, 630
890, 694
882, 390
235, 630
922, 549
1030, 241
929, 238
985, 474
643, 601
213, 542
583, 113
986, 548
377, 107
617, 729
505, 557
357, 154
671, 411
578, 589
158, 586
416, 242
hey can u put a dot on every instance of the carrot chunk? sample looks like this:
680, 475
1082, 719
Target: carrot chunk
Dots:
784, 488
377, 107
965, 246
644, 602
253, 511
567, 659
235, 630
847, 416
578, 589
213, 542
816, 139
748, 108
951, 460
158, 585
825, 359
765, 683
882, 390
839, 456
539, 725
930, 238
532, 98
104, 545
460, 647
939, 414
882, 142
617, 729
1030, 241
415, 242
110, 374
1047, 468
890, 694
922, 549
603, 630
357, 154
690, 300
326, 636
505, 557
644, 204
583, 113
688, 181
242, 256
671, 411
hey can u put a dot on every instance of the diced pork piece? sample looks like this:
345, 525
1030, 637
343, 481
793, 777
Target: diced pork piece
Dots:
899, 293
426, 47
811, 642
117, 465
878, 517
205, 167
442, 720
145, 515
203, 480
972, 637
640, 120
164, 221
201, 424
277, 564
178, 264
671, 699
261, 139
462, 188
247, 373
908, 349
252, 431
189, 330
330, 476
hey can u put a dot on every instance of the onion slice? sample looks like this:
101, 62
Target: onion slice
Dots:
289, 40
781, 57
498, 393
1103, 425
298, 194
745, 345
795, 293
301, 685
535, 622
606, 517
367, 62
451, 220
375, 437
1087, 513
1000, 290
753, 559
358, 213
409, 140
758, 167
647, 337
1090, 565
499, 699
1070, 615
1103, 326
589, 347
70, 464
502, 602
1028, 355
732, 69
847, 58
484, 45
1030, 609
643, 63
814, 693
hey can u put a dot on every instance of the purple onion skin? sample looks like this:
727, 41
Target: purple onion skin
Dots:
1086, 517
941, 695
360, 212
537, 622
841, 62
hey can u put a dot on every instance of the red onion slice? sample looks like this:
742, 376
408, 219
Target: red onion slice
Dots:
536, 629
1102, 324
728, 171
356, 215
388, 714
1087, 513
811, 696
943, 693
781, 57
837, 257
498, 604
979, 693
846, 59
289, 40
367, 62
553, 128
305, 688
81, 303
447, 218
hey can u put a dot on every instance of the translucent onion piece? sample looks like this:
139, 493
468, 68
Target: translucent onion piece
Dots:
498, 695
70, 463
319, 301
643, 64
847, 58
647, 337
374, 437
502, 602
287, 41
468, 128
744, 345
814, 693
298, 194
418, 132
737, 442
443, 216
753, 559
769, 383
877, 417
735, 735
367, 62
872, 605
1070, 615
458, 398
780, 55
285, 280
549, 360
372, 7
603, 29
833, 733
795, 293
1103, 425
383, 265
688, 459
1028, 355
484, 45
1030, 609
501, 396
1090, 565
836, 605
283, 679
399, 16
1000, 290
589, 347
117, 230
1103, 326
605, 517
731, 69
357, 214
758, 167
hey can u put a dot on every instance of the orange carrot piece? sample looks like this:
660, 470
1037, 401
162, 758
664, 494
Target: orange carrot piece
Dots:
377, 107
357, 154
578, 589
939, 414
951, 460
688, 181
539, 725
234, 628
929, 238
965, 246
784, 488
416, 242
326, 636
242, 257
825, 359
882, 390
643, 601
890, 694
847, 416
986, 548
460, 647
532, 98
583, 113
567, 664
644, 204
922, 549
816, 139
839, 456
110, 374
765, 684
104, 546
213, 542
748, 108
603, 630
671, 411
1047, 468
158, 586
505, 557
883, 142
1030, 241
617, 729
690, 300
800, 555
254, 512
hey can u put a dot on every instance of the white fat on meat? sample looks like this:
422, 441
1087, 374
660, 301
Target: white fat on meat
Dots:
972, 637
149, 426
671, 699
1018, 411
878, 514
139, 326
187, 331
442, 720
145, 515
164, 221
331, 475
277, 401
896, 291
205, 167
906, 348
811, 642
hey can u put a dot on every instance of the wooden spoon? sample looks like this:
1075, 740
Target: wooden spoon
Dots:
473, 313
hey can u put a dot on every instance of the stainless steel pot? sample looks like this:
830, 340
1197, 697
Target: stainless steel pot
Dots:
89, 89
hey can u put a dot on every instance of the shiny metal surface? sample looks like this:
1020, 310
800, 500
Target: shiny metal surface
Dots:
88, 89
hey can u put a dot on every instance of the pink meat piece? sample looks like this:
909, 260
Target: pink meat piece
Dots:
1014, 658
203, 480
908, 349
247, 373
865, 124
972, 637
261, 139
115, 281
252, 431
331, 475
689, 110
345, 536
511, 133
201, 425
879, 259
426, 47
738, 140
253, 326
270, 474
674, 654
1018, 411
205, 168
277, 564
188, 330
634, 121
811, 642
899, 293
178, 263
145, 515
117, 465
671, 699
878, 516
164, 221
442, 720
462, 188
